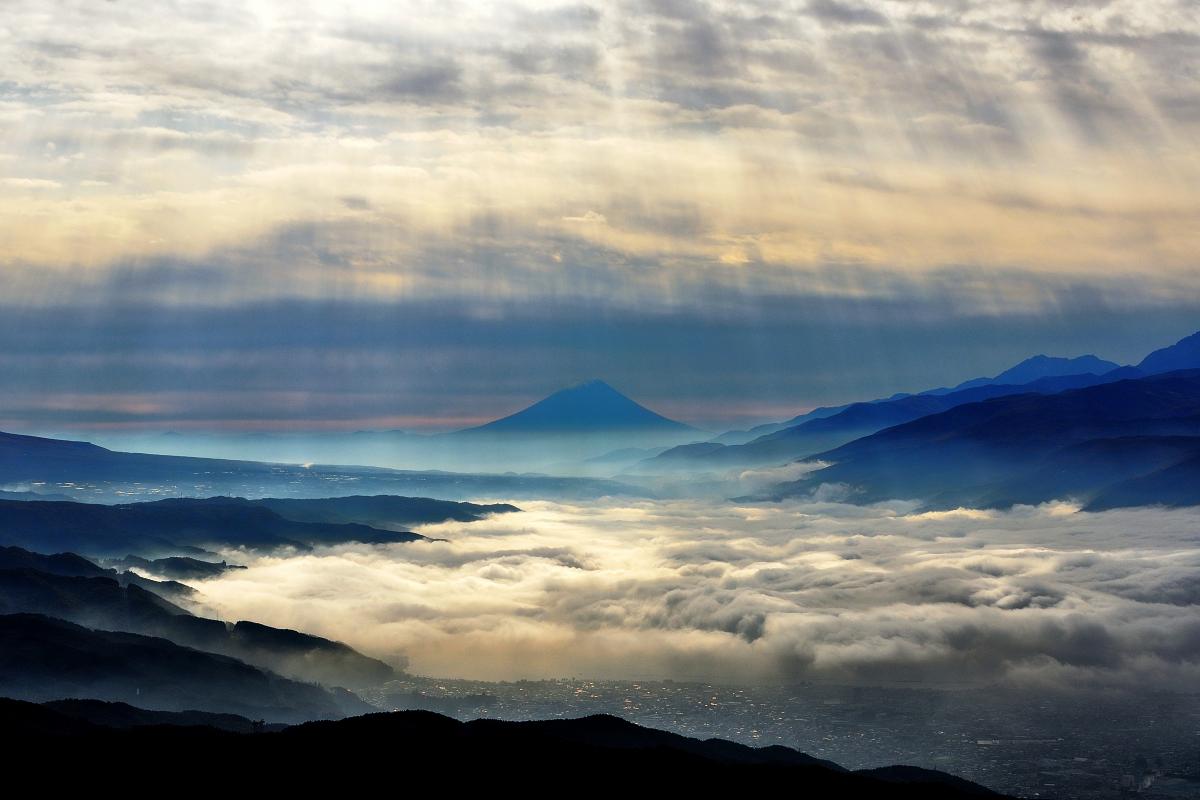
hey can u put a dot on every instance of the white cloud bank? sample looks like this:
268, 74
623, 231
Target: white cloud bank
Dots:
759, 593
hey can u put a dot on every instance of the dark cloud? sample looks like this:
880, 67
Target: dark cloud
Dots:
833, 12
432, 80
715, 358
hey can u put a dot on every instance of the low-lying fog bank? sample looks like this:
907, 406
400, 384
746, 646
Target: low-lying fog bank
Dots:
758, 593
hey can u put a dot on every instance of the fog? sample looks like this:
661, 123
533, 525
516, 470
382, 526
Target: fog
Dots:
1037, 596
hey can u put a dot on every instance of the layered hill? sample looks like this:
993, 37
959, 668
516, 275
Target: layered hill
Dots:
42, 658
171, 527
380, 511
1184, 354
1038, 367
852, 422
1031, 369
67, 587
1082, 444
88, 471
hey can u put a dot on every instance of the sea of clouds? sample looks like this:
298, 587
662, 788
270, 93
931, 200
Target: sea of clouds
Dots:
1046, 596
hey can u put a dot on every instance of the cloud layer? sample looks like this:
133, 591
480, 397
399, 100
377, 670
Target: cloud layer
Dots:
1043, 596
760, 169
714, 139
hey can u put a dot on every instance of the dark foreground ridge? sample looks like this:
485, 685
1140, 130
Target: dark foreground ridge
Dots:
560, 757
42, 658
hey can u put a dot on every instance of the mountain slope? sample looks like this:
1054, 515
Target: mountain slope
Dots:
171, 527
98, 714
852, 422
1025, 448
102, 602
1184, 354
593, 407
1173, 486
98, 474
71, 565
1038, 367
553, 758
383, 511
1042, 366
1027, 371
47, 659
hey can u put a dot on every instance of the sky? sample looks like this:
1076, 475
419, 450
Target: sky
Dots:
1034, 597
313, 216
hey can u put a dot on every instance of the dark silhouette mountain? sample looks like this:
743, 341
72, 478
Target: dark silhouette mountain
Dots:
67, 564
72, 565
102, 602
382, 511
182, 568
1184, 354
1025, 448
171, 527
560, 757
593, 407
49, 659
95, 714
852, 422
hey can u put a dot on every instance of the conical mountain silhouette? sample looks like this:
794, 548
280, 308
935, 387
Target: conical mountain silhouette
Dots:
589, 407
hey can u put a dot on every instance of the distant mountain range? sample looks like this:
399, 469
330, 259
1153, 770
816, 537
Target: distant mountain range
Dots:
1027, 371
1038, 367
1121, 437
557, 757
851, 422
88, 472
559, 435
593, 429
1129, 442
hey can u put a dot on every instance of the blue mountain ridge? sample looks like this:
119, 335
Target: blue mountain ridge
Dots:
1080, 444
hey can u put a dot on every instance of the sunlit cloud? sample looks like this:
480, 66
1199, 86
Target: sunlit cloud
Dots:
732, 593
727, 138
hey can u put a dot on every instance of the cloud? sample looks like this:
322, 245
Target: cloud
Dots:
729, 113
152, 362
832, 12
748, 593
30, 183
671, 167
